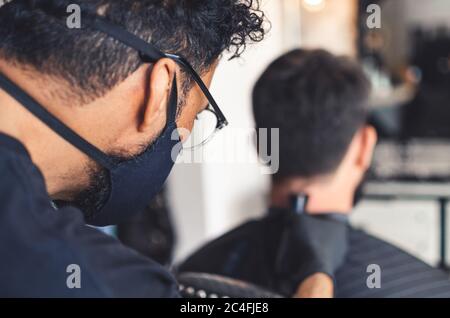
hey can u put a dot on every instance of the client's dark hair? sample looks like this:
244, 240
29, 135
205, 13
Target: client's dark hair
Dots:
92, 63
318, 101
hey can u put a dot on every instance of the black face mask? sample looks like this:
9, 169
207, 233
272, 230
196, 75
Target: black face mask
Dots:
107, 193
91, 199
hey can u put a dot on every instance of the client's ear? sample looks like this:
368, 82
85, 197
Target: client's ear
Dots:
368, 139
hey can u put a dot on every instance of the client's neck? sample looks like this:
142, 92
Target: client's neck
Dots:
324, 195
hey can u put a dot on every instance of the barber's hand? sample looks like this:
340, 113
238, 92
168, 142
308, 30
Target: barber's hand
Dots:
310, 245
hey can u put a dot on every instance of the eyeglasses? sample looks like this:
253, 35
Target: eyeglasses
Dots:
209, 121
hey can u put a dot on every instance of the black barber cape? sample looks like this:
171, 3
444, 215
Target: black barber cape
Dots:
278, 251
247, 253
41, 249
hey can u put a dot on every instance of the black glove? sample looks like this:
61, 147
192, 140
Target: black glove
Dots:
321, 243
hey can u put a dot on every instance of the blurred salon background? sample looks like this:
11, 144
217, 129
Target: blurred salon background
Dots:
407, 195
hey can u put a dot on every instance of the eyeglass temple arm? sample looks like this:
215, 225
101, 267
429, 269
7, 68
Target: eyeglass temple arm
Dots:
185, 64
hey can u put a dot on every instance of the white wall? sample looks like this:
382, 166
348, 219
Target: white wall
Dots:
331, 28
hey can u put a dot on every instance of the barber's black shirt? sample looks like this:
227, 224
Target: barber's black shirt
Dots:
41, 249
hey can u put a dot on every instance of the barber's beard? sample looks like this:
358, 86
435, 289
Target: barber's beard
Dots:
92, 198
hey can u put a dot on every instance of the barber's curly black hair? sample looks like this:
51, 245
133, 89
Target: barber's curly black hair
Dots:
92, 63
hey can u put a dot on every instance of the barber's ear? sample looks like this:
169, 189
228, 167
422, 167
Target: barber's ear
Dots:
368, 140
159, 84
